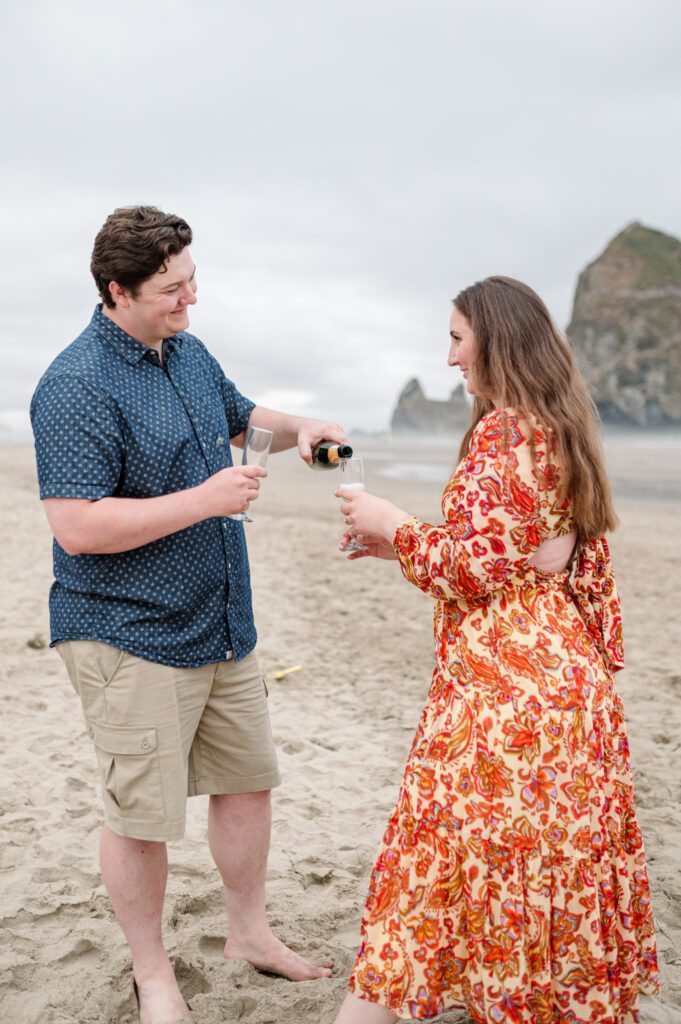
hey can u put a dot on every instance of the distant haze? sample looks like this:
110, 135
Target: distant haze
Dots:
346, 169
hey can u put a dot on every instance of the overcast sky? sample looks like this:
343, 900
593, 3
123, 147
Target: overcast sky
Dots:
346, 167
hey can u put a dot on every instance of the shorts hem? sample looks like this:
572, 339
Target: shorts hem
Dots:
152, 831
217, 786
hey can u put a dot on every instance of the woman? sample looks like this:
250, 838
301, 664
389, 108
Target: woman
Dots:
511, 879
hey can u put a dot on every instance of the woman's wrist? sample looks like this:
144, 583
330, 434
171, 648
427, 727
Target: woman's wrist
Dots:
395, 518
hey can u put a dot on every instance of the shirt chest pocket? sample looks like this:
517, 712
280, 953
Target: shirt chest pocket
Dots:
212, 429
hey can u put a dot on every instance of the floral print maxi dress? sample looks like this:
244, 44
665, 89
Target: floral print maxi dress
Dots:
511, 877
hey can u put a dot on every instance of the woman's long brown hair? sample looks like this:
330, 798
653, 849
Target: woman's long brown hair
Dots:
523, 362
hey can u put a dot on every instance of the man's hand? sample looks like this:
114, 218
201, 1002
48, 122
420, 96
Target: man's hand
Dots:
313, 432
290, 431
230, 490
107, 526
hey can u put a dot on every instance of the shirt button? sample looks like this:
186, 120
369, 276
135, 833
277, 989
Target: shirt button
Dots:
220, 441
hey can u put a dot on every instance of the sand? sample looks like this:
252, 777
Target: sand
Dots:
343, 724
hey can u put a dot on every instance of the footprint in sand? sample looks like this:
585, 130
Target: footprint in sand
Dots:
190, 977
186, 905
212, 946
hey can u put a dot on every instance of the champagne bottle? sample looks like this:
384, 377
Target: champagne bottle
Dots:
328, 454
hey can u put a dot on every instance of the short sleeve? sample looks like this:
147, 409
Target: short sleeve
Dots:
238, 408
503, 504
78, 439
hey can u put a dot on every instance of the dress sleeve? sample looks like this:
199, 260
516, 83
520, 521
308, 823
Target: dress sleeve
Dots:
500, 505
592, 582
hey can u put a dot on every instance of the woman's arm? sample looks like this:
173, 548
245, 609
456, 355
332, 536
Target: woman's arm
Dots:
498, 519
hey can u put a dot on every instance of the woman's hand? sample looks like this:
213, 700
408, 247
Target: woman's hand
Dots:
376, 547
372, 517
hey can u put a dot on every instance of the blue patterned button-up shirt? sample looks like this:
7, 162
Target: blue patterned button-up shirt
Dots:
110, 420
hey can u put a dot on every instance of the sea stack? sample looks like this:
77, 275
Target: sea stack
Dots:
414, 413
626, 328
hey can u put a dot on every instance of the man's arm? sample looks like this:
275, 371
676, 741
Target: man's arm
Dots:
292, 431
110, 525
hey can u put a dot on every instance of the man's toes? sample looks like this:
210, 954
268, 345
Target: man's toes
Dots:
310, 970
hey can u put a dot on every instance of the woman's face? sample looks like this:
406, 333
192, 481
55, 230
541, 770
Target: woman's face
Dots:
462, 349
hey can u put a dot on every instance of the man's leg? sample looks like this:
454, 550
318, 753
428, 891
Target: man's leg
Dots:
135, 873
135, 706
239, 838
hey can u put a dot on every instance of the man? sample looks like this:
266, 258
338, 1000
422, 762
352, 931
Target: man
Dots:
151, 604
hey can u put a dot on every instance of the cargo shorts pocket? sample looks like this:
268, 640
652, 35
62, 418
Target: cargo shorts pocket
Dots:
130, 771
106, 659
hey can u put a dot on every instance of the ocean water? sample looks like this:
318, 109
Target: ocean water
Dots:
642, 440
641, 464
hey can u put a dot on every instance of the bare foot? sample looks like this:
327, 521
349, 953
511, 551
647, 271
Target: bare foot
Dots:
161, 1002
276, 958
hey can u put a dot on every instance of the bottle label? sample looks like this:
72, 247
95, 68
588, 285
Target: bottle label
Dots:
328, 454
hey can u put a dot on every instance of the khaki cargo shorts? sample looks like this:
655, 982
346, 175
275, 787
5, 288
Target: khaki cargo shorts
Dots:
163, 733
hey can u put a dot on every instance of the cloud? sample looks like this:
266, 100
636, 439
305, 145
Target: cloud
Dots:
346, 169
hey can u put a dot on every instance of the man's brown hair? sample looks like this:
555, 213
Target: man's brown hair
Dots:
133, 244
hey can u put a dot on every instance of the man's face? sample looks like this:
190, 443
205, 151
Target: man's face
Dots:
160, 307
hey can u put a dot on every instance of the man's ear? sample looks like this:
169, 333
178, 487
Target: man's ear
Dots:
121, 296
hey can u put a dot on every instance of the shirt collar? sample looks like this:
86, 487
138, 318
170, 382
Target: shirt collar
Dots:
124, 344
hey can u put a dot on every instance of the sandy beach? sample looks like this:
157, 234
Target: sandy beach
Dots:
343, 723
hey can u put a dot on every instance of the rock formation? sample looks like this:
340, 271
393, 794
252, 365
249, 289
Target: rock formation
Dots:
626, 328
415, 412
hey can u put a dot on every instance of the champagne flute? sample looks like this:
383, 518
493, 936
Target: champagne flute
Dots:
256, 449
351, 474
